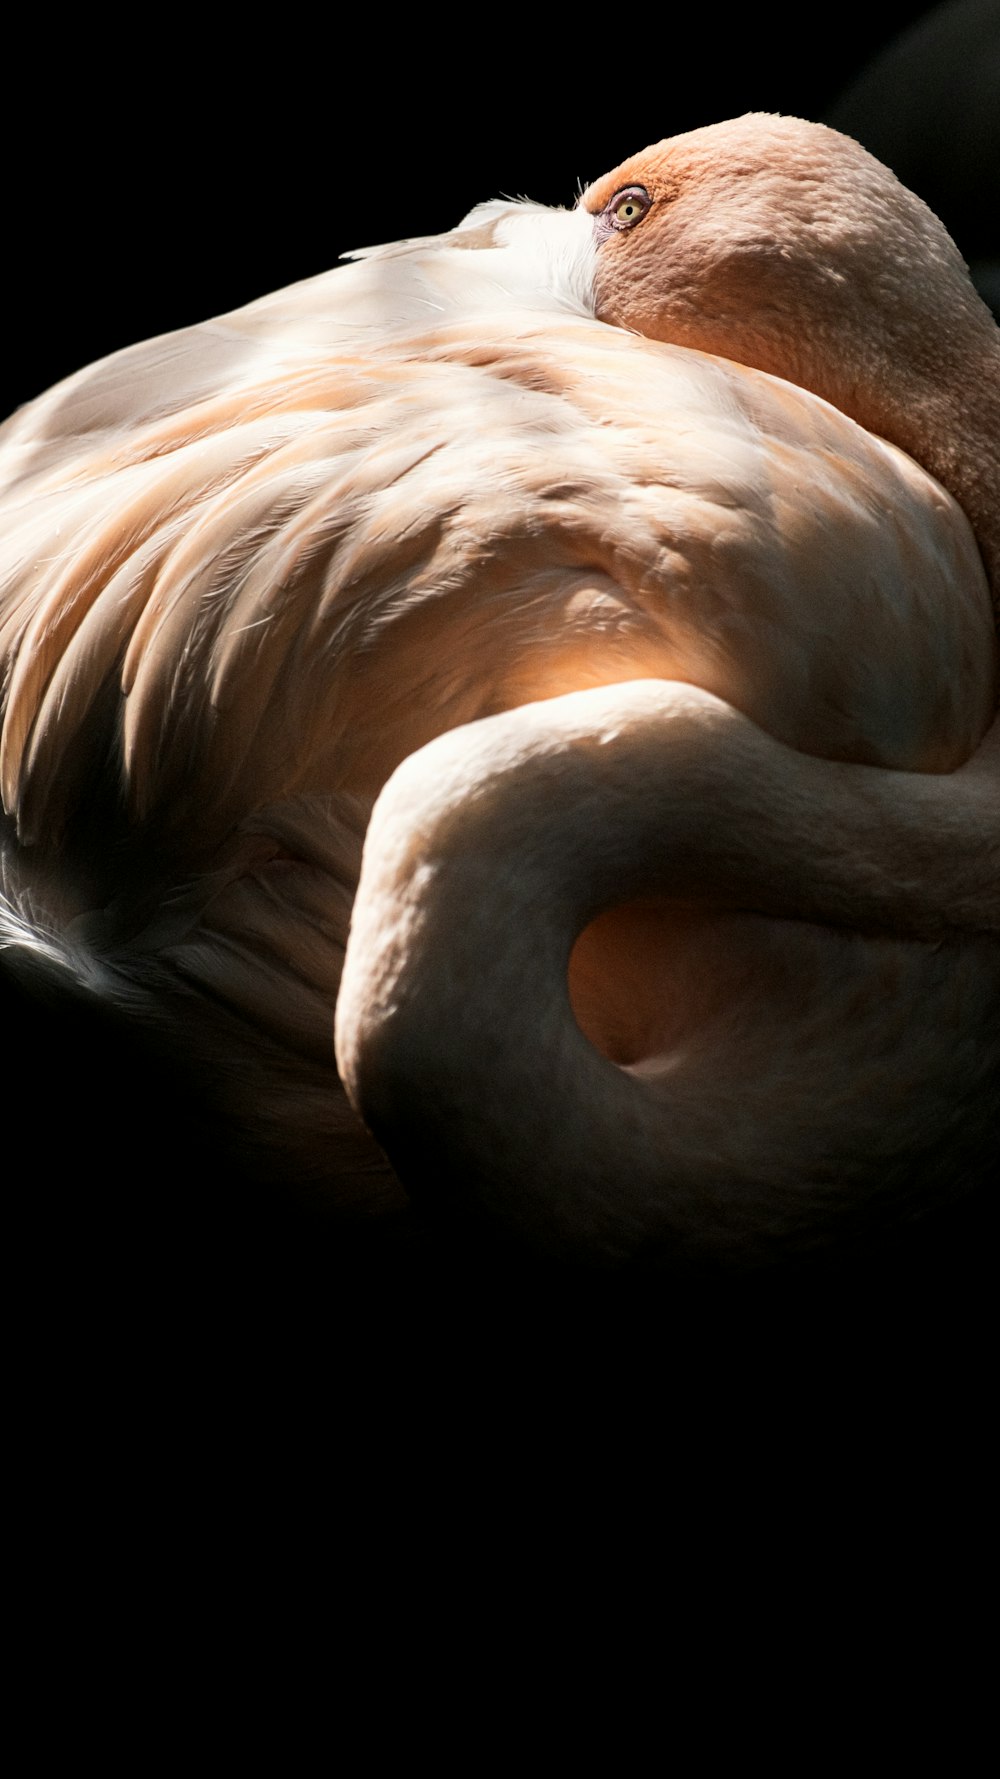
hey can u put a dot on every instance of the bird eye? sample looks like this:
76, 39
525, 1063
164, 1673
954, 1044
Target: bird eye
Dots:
628, 207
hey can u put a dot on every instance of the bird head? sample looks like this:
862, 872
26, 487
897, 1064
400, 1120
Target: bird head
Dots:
785, 246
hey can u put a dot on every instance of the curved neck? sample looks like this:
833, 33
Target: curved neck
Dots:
951, 425
488, 853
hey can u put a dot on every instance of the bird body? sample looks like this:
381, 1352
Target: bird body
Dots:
408, 515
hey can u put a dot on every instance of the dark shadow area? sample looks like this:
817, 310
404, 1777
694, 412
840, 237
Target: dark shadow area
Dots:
928, 105
140, 1254
192, 186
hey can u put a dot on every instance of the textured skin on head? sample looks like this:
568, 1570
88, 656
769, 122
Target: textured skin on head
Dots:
786, 246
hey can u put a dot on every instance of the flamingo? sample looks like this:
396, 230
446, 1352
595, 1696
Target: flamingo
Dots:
516, 713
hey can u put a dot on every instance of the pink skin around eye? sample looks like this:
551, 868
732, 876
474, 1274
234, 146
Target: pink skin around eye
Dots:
608, 222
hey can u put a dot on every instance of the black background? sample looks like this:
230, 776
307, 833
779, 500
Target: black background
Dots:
155, 180
148, 188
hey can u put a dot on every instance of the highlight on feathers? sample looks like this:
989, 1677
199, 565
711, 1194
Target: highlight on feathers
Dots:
620, 584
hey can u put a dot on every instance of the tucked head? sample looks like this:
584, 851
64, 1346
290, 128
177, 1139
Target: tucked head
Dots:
775, 234
786, 246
